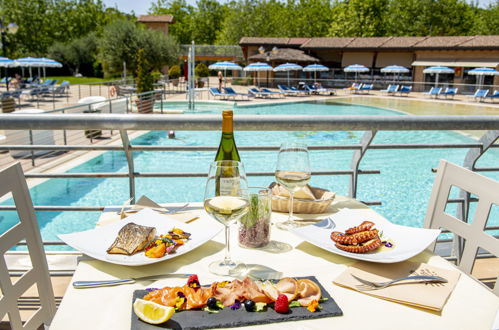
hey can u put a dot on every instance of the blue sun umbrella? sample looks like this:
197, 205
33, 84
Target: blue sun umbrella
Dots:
481, 73
257, 67
287, 67
225, 65
356, 68
315, 68
438, 70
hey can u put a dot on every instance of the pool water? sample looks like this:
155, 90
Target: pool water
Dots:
403, 186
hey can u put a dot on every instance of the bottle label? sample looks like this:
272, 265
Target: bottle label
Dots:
229, 186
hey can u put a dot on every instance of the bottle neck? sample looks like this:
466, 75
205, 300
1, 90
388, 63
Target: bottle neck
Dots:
227, 125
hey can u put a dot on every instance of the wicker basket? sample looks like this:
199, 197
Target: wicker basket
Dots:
323, 198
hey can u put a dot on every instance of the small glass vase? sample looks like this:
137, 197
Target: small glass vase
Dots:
254, 227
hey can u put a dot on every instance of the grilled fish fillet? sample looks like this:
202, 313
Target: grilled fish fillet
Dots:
131, 239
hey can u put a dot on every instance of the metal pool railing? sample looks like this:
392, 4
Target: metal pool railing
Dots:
127, 123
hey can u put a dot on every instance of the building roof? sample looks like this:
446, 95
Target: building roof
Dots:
372, 43
481, 42
442, 42
155, 19
285, 55
401, 42
252, 41
327, 43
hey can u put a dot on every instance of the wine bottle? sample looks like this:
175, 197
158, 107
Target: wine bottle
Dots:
227, 149
227, 181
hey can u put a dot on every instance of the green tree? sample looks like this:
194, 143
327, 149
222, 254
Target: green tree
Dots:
359, 18
143, 76
206, 20
182, 13
121, 41
78, 55
43, 22
430, 17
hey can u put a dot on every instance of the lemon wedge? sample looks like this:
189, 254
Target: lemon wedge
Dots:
151, 312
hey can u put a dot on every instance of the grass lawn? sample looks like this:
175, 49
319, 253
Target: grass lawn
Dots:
78, 80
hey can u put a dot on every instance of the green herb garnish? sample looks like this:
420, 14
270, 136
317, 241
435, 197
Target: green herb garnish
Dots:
294, 303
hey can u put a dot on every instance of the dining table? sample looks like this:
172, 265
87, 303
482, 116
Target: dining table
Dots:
469, 306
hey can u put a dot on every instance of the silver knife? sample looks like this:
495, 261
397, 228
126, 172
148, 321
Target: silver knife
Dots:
96, 284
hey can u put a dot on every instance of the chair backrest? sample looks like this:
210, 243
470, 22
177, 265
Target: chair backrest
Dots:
13, 181
435, 90
229, 90
214, 91
282, 87
487, 192
481, 92
405, 89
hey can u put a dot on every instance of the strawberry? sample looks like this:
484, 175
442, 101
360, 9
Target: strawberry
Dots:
193, 281
281, 304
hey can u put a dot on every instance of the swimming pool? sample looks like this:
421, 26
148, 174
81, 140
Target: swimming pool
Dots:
403, 186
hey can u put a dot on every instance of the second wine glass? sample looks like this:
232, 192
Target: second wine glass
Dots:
226, 200
293, 173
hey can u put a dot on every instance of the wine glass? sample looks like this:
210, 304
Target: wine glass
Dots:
226, 200
293, 173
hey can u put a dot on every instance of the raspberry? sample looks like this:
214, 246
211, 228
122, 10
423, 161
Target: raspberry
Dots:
281, 304
193, 281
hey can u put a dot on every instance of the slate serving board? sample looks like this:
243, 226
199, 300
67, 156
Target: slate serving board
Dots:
197, 319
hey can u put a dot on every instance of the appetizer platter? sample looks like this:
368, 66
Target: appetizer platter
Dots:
143, 238
231, 303
365, 235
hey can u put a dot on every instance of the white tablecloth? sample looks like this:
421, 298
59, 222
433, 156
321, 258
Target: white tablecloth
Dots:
470, 306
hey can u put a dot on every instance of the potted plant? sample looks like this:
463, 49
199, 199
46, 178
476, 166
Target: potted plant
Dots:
174, 74
145, 83
201, 72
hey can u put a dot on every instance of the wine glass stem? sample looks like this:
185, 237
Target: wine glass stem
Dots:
291, 201
227, 245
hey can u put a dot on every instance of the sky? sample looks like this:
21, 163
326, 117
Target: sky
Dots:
141, 7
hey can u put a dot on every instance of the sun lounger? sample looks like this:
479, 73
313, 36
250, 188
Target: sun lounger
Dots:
215, 92
318, 90
269, 92
494, 96
449, 92
405, 90
434, 91
365, 88
354, 88
286, 90
480, 94
231, 92
299, 91
257, 93
391, 89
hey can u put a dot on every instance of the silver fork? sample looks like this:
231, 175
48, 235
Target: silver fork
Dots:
369, 285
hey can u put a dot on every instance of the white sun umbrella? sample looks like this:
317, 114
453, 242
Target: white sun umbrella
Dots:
395, 69
257, 67
49, 63
315, 68
356, 68
225, 65
28, 62
287, 67
481, 73
438, 70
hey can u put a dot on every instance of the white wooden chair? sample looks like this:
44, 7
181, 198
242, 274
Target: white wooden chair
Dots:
487, 191
12, 180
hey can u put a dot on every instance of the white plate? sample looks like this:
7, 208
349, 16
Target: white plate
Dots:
95, 242
408, 241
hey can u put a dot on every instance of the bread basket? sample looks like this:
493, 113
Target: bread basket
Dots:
322, 198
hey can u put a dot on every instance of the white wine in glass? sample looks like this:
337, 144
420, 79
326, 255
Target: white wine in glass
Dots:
293, 173
226, 206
